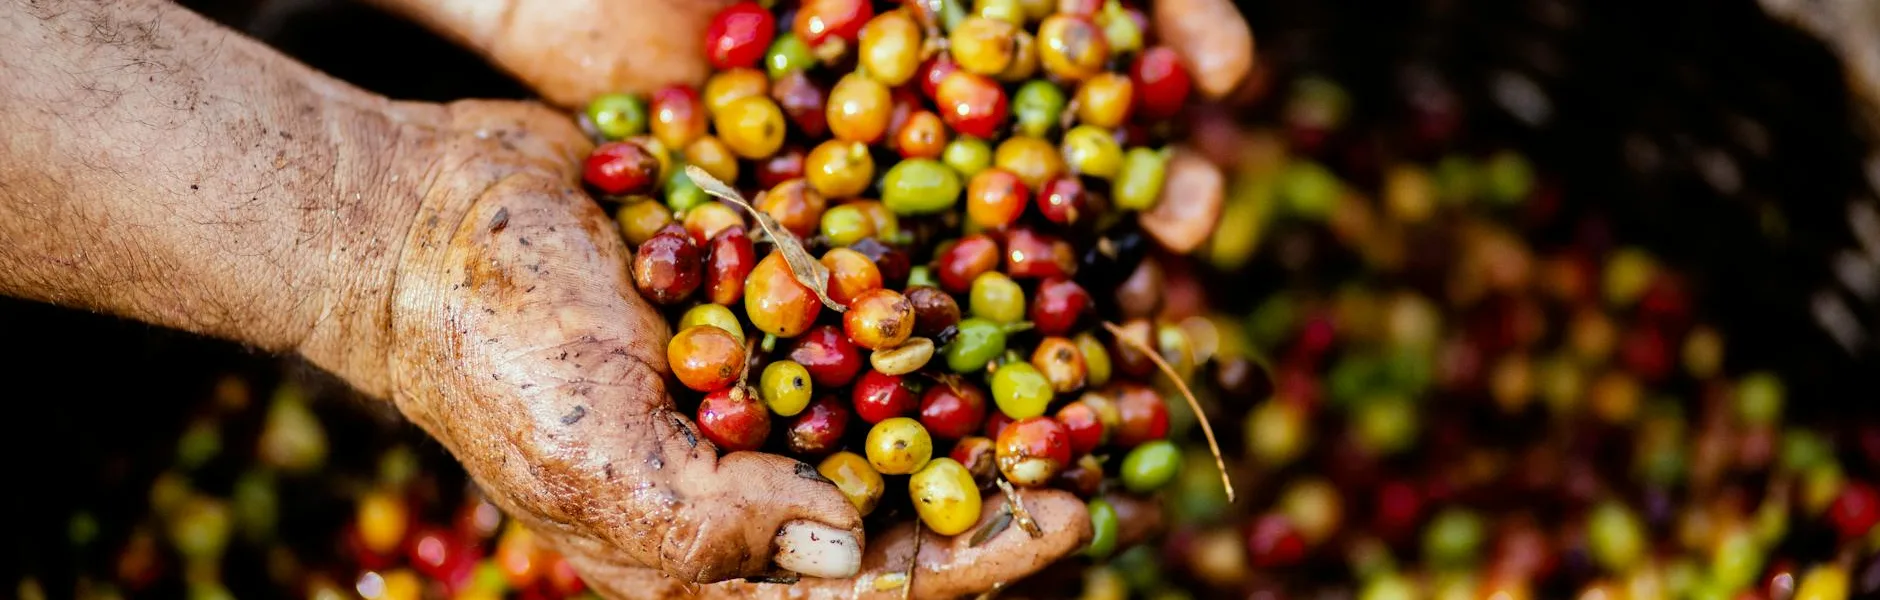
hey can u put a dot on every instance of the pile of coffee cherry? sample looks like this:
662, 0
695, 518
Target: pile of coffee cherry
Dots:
879, 231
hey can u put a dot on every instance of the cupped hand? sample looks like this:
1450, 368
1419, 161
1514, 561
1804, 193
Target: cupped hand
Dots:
519, 342
570, 51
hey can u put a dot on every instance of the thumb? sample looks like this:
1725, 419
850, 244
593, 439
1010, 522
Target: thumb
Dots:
1212, 38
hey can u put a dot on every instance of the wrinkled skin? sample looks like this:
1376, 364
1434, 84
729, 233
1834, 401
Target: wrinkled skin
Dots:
439, 256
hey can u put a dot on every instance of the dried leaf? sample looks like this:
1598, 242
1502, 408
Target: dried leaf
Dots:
1017, 507
993, 528
808, 271
1155, 356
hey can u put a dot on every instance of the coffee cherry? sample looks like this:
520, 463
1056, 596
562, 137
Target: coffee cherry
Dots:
1083, 477
730, 261
850, 275
795, 205
1032, 451
1058, 306
945, 497
733, 419
983, 45
952, 412
995, 198
818, 430
1072, 48
820, 21
855, 478
934, 310
1037, 107
752, 127
1150, 466
617, 168
1096, 358
1033, 160
804, 102
775, 302
1105, 528
1274, 543
1143, 413
859, 109
920, 186
846, 224
890, 47
715, 316
879, 397
712, 155
667, 268
1020, 390
967, 155
785, 387
788, 54
997, 298
1064, 200
1083, 427
898, 446
831, 359
924, 135
1033, 255
724, 88
879, 319
971, 104
705, 357
640, 219
977, 343
965, 261
707, 220
785, 165
1060, 362
1104, 100
1161, 83
678, 115
739, 35
617, 116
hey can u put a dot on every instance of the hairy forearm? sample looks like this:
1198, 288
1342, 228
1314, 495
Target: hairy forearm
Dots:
159, 167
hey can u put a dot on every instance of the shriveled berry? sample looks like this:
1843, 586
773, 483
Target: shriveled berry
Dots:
934, 310
851, 274
945, 497
733, 419
898, 446
855, 478
667, 268
953, 410
818, 430
731, 258
617, 168
775, 302
831, 359
738, 35
1060, 362
785, 387
879, 397
879, 319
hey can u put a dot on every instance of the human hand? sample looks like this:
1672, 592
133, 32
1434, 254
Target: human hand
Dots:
571, 51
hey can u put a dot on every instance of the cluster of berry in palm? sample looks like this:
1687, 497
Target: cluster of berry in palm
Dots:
962, 177
1478, 392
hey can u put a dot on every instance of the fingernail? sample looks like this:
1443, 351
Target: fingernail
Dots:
818, 550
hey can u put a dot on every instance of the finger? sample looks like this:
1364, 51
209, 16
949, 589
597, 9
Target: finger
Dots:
949, 567
1190, 205
1212, 38
1139, 518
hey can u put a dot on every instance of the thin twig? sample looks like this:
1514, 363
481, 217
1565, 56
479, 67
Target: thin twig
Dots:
1206, 429
913, 563
1019, 513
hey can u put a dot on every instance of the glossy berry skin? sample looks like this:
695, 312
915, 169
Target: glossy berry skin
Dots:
617, 168
785, 165
965, 261
1058, 306
667, 268
1104, 100
1083, 427
1072, 48
1030, 254
733, 419
859, 109
995, 198
996, 422
855, 478
946, 497
1020, 391
934, 71
898, 446
971, 104
705, 358
879, 319
726, 87
796, 206
923, 135
1034, 160
785, 387
839, 169
1063, 200
776, 302
1144, 418
1162, 83
851, 274
952, 412
1032, 451
819, 21
752, 127
739, 35
826, 352
803, 102
678, 115
890, 47
983, 45
730, 259
879, 397
818, 430
709, 219
934, 310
